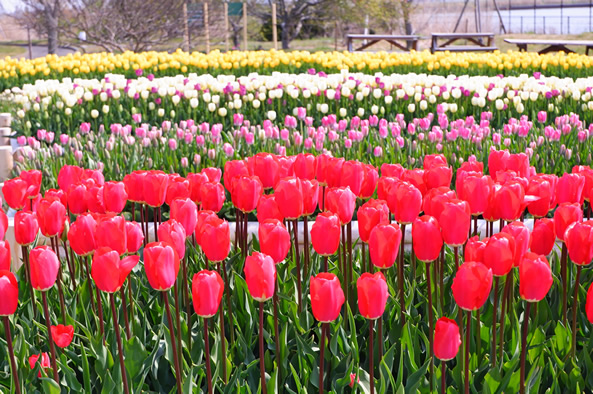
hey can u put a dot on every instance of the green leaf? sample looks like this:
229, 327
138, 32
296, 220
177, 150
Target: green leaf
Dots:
86, 372
134, 356
50, 386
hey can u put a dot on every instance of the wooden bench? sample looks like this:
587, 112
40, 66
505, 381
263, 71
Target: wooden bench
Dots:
483, 42
411, 42
551, 45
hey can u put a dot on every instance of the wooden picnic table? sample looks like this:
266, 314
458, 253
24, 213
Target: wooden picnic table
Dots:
483, 42
411, 41
551, 45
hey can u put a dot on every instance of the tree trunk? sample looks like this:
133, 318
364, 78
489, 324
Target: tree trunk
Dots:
407, 21
52, 31
285, 36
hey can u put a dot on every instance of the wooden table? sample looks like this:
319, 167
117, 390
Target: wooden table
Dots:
551, 45
411, 41
483, 42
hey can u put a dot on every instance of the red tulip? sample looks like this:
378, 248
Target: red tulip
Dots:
4, 256
51, 216
492, 212
472, 285
310, 190
68, 176
426, 238
114, 196
285, 166
94, 199
62, 335
384, 186
289, 196
265, 168
476, 190
44, 363
416, 178
274, 239
509, 200
77, 201
565, 215
247, 191
26, 227
341, 201
369, 184
3, 223
82, 235
109, 272
333, 171
206, 289
203, 217
184, 211
370, 214
44, 266
15, 193
384, 244
589, 304
570, 189
134, 237
405, 202
327, 297
499, 253
173, 233
214, 174
455, 221
325, 233
134, 184
438, 176
154, 187
497, 161
434, 160
352, 175
195, 183
305, 166
474, 249
260, 275
9, 293
111, 232
446, 339
434, 201
392, 170
472, 165
535, 277
579, 242
233, 169
57, 195
587, 172
267, 208
161, 264
321, 170
179, 187
212, 196
33, 179
215, 239
519, 163
543, 236
372, 295
542, 186
95, 175
522, 237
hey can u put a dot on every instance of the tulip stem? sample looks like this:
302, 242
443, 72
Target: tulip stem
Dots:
442, 276
478, 336
88, 281
222, 343
277, 333
15, 375
237, 231
246, 233
207, 351
228, 302
380, 337
25, 251
325, 269
467, 336
563, 274
363, 267
56, 248
400, 279
124, 307
306, 243
494, 316
524, 345
456, 253
430, 324
349, 273
70, 267
503, 310
321, 355
187, 303
178, 321
371, 345
155, 221
262, 366
443, 377
173, 344
295, 229
575, 309
52, 348
122, 366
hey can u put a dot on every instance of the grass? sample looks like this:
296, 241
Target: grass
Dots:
11, 50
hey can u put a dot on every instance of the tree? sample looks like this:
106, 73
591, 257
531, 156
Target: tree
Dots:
47, 13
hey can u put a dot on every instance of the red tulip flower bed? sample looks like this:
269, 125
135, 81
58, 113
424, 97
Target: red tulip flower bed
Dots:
137, 285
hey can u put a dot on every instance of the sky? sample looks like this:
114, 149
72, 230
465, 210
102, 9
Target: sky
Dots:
10, 5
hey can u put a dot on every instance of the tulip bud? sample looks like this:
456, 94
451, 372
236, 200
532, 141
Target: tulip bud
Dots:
26, 227
535, 277
62, 335
384, 244
474, 249
455, 222
426, 238
161, 264
9, 293
499, 253
207, 289
289, 196
178, 187
215, 239
342, 202
267, 208
154, 187
325, 234
372, 295
446, 339
260, 275
82, 235
134, 237
108, 271
212, 196
246, 193
44, 266
51, 216
522, 237
274, 239
565, 215
14, 192
370, 214
579, 242
327, 297
111, 232
173, 233
472, 285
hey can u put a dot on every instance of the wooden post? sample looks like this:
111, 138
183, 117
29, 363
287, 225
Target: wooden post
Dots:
30, 43
185, 28
244, 26
207, 27
226, 26
274, 27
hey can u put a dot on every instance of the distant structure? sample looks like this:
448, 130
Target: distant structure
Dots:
478, 16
